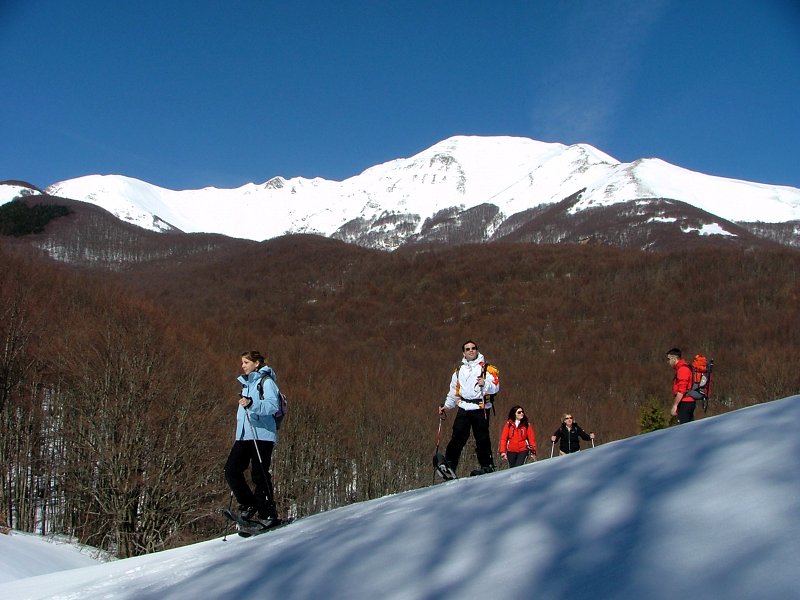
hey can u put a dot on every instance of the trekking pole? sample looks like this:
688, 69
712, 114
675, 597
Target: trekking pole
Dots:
531, 454
707, 395
255, 440
592, 442
552, 447
439, 432
441, 418
227, 523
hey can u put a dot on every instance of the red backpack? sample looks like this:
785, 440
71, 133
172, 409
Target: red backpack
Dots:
701, 380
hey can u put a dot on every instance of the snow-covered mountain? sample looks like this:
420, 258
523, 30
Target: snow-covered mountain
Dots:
704, 510
466, 188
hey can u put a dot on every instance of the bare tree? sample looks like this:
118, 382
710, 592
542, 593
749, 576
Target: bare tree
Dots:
138, 459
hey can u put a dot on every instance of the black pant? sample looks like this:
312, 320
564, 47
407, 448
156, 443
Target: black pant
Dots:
686, 411
478, 421
516, 459
242, 455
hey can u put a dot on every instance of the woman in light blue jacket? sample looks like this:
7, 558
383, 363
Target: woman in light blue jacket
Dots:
256, 435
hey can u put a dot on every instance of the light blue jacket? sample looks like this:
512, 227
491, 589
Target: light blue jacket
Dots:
261, 411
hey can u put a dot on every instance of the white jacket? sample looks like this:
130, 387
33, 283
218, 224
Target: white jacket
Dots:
465, 379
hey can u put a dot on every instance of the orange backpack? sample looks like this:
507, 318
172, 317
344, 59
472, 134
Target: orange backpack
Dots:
701, 379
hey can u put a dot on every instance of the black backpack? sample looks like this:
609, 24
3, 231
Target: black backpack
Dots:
283, 401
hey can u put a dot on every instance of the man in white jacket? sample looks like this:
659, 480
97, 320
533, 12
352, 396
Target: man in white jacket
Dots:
471, 386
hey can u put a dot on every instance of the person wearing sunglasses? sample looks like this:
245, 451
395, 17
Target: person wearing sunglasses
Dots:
569, 435
472, 386
518, 440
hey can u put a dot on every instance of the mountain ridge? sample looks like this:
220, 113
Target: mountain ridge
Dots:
397, 202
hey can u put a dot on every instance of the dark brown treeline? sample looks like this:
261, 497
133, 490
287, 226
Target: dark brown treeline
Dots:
118, 389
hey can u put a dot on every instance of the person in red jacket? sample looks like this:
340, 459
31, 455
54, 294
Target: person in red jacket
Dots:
518, 439
682, 404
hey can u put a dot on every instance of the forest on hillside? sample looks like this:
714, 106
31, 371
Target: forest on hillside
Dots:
118, 391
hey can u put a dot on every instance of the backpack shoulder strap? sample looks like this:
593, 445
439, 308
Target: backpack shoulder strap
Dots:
260, 385
488, 397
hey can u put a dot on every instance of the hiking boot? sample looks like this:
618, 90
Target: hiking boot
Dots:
482, 471
267, 521
267, 514
442, 467
445, 471
248, 513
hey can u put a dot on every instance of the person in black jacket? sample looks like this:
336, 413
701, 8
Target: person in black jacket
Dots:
569, 435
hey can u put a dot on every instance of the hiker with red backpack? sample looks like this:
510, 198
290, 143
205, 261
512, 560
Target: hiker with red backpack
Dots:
518, 440
690, 384
472, 388
683, 404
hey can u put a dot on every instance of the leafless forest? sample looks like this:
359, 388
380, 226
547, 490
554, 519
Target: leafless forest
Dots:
117, 388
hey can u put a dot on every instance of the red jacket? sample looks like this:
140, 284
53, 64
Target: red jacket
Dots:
517, 439
683, 380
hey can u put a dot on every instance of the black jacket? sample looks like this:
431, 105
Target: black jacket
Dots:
569, 438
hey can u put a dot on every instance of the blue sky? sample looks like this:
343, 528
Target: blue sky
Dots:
190, 94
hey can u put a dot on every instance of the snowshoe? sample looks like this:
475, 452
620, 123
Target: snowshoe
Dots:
258, 527
482, 471
442, 467
254, 526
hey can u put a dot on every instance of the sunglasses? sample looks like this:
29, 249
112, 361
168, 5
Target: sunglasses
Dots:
520, 412
470, 348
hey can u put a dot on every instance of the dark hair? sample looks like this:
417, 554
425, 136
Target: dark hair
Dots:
255, 356
674, 352
512, 415
469, 342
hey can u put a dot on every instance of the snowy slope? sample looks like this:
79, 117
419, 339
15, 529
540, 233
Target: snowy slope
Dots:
704, 510
731, 199
9, 191
512, 173
26, 555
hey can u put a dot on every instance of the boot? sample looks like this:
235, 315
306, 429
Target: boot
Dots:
268, 515
248, 513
